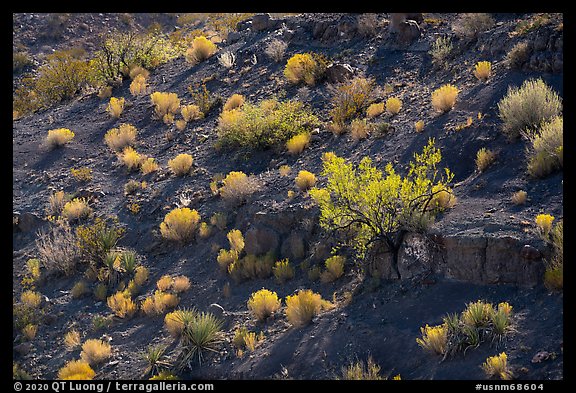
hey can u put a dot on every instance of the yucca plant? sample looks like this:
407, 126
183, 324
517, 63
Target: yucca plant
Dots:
202, 334
153, 357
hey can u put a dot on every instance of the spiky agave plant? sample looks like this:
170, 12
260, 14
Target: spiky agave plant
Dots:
153, 357
201, 334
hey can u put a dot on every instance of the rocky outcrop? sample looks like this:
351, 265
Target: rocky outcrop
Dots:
477, 259
338, 73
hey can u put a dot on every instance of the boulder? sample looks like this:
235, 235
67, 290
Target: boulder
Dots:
415, 256
261, 22
260, 240
408, 32
347, 27
293, 247
541, 40
338, 73
28, 222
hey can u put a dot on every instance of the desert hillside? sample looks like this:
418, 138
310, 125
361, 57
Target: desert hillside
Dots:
288, 196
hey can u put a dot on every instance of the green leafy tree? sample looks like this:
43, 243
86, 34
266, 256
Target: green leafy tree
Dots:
370, 206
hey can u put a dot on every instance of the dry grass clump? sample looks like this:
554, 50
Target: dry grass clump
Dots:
284, 170
334, 268
233, 102
360, 372
122, 305
393, 105
29, 332
159, 302
119, 138
546, 148
351, 99
202, 48
359, 129
181, 284
76, 209
375, 109
305, 180
518, 55
58, 137
138, 86
72, 340
131, 158
283, 271
484, 158
79, 289
181, 164
275, 49
78, 370
175, 321
263, 303
497, 366
483, 70
298, 143
191, 112
165, 103
180, 224
444, 98
519, 197
56, 203
236, 240
419, 126
527, 107
469, 25
83, 174
95, 351
57, 249
304, 306
149, 165
115, 107
164, 283
237, 187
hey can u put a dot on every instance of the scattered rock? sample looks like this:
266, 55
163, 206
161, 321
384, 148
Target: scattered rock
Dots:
23, 349
261, 22
541, 356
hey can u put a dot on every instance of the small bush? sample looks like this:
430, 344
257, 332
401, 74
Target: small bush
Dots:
95, 241
201, 49
191, 112
164, 283
58, 250
149, 165
165, 103
219, 220
95, 351
180, 224
359, 129
159, 302
131, 158
471, 24
554, 276
544, 225
351, 99
477, 314
283, 271
546, 148
367, 25
251, 266
519, 197
243, 339
303, 306
518, 55
305, 180
444, 98
139, 86
58, 137
483, 70
441, 50
115, 107
284, 170
203, 99
298, 143
121, 137
56, 203
233, 102
238, 187
76, 370
76, 209
205, 230
121, 305
72, 340
497, 366
79, 289
305, 68
263, 303
138, 71
484, 158
181, 284
375, 110
226, 257
83, 174
334, 268
29, 332
419, 126
181, 164
236, 240
264, 125
275, 49
443, 198
527, 107
434, 338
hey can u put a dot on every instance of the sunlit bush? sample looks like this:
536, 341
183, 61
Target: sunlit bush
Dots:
59, 137
263, 304
303, 306
305, 180
444, 98
115, 107
118, 138
180, 224
181, 164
